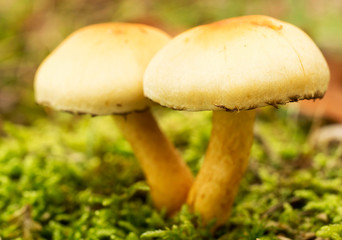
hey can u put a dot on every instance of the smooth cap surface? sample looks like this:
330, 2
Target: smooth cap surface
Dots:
237, 64
99, 69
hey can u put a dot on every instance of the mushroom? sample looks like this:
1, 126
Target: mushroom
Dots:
98, 70
232, 67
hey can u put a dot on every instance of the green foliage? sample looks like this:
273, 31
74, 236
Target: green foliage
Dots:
77, 178
333, 231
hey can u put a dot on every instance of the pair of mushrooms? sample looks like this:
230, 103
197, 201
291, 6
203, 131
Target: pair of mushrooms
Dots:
230, 67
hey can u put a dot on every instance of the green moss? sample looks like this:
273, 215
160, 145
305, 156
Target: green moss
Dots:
333, 231
77, 178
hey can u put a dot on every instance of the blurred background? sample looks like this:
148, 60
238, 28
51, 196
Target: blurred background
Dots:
30, 29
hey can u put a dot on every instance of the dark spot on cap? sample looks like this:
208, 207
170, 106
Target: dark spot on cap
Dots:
294, 98
225, 108
176, 108
319, 94
78, 113
315, 95
236, 109
275, 103
135, 111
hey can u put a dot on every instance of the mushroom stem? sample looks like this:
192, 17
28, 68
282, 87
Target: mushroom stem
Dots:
167, 175
215, 187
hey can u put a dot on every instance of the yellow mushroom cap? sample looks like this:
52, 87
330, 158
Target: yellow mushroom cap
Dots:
236, 64
99, 69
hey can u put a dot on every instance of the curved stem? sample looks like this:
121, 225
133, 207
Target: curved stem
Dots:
167, 175
215, 187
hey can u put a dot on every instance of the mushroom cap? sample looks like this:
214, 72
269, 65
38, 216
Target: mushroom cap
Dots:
99, 69
237, 64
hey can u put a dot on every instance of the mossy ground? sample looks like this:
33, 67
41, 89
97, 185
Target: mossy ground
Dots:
70, 177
